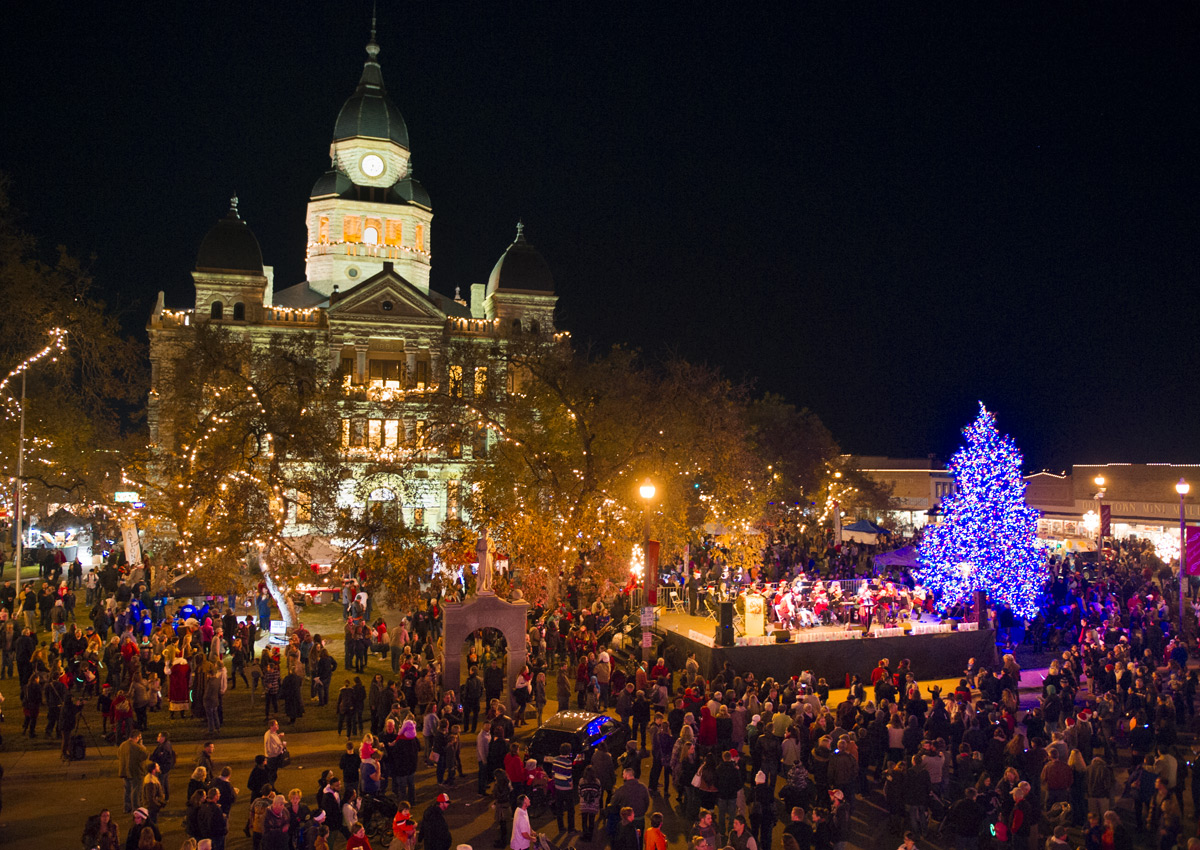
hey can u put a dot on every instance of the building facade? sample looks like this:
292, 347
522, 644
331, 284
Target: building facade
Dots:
366, 299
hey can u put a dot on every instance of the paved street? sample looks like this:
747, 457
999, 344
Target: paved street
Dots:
46, 800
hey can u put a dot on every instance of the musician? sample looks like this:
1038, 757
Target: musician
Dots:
866, 606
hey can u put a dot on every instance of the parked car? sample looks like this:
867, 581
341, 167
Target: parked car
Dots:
583, 730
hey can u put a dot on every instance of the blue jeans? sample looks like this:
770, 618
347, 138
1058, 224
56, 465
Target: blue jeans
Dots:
133, 790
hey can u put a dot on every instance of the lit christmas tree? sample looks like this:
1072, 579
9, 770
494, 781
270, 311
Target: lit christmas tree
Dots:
986, 540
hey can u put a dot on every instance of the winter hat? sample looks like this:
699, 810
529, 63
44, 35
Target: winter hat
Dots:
408, 730
319, 817
760, 778
143, 812
443, 798
836, 794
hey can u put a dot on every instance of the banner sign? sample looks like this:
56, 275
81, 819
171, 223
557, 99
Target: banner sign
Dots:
1193, 550
1106, 521
129, 536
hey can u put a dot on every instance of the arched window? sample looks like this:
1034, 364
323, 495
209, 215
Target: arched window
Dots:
534, 327
239, 312
516, 326
218, 310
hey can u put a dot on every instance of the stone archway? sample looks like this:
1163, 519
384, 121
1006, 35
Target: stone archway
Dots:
460, 619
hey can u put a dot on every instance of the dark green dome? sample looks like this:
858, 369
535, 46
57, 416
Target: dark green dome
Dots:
230, 247
370, 112
521, 267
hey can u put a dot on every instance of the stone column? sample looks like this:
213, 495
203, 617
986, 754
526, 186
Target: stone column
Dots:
360, 362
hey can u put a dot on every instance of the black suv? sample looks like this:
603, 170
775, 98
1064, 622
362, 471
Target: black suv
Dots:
583, 730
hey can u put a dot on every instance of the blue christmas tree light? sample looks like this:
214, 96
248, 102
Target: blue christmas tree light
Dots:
987, 539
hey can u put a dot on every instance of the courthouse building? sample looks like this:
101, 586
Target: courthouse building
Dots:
366, 298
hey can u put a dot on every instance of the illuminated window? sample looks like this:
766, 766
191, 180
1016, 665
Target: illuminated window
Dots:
352, 228
391, 433
453, 489
218, 310
323, 229
374, 433
385, 373
420, 237
358, 433
239, 312
422, 376
371, 233
480, 381
454, 448
455, 377
347, 370
393, 232
419, 517
420, 431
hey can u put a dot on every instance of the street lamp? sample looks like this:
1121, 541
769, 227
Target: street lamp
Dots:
647, 491
1099, 482
1182, 489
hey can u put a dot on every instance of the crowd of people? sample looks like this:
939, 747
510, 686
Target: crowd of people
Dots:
1097, 758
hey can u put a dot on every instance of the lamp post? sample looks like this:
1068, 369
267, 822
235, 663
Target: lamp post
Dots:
1099, 482
647, 491
1182, 489
20, 504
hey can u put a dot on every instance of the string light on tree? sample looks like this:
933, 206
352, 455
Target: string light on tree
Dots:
987, 539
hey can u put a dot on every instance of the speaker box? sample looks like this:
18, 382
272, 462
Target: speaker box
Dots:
981, 611
725, 615
724, 632
783, 636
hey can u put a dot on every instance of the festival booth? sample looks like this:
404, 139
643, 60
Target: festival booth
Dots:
321, 585
905, 557
864, 531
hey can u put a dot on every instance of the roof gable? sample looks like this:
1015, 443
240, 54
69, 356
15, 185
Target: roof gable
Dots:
372, 298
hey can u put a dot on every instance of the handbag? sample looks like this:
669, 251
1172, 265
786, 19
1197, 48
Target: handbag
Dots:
435, 756
285, 758
696, 780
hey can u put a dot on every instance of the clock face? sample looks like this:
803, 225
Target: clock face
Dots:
372, 165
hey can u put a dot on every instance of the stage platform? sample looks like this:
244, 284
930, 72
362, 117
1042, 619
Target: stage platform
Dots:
933, 656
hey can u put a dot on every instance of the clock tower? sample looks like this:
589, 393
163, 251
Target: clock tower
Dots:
368, 209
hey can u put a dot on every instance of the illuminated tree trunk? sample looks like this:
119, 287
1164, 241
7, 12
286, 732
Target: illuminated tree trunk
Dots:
287, 608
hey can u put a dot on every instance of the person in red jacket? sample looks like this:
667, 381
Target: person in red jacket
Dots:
358, 838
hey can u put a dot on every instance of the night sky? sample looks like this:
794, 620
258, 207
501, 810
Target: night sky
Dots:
881, 213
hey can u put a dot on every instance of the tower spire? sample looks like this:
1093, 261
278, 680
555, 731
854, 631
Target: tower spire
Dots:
372, 45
